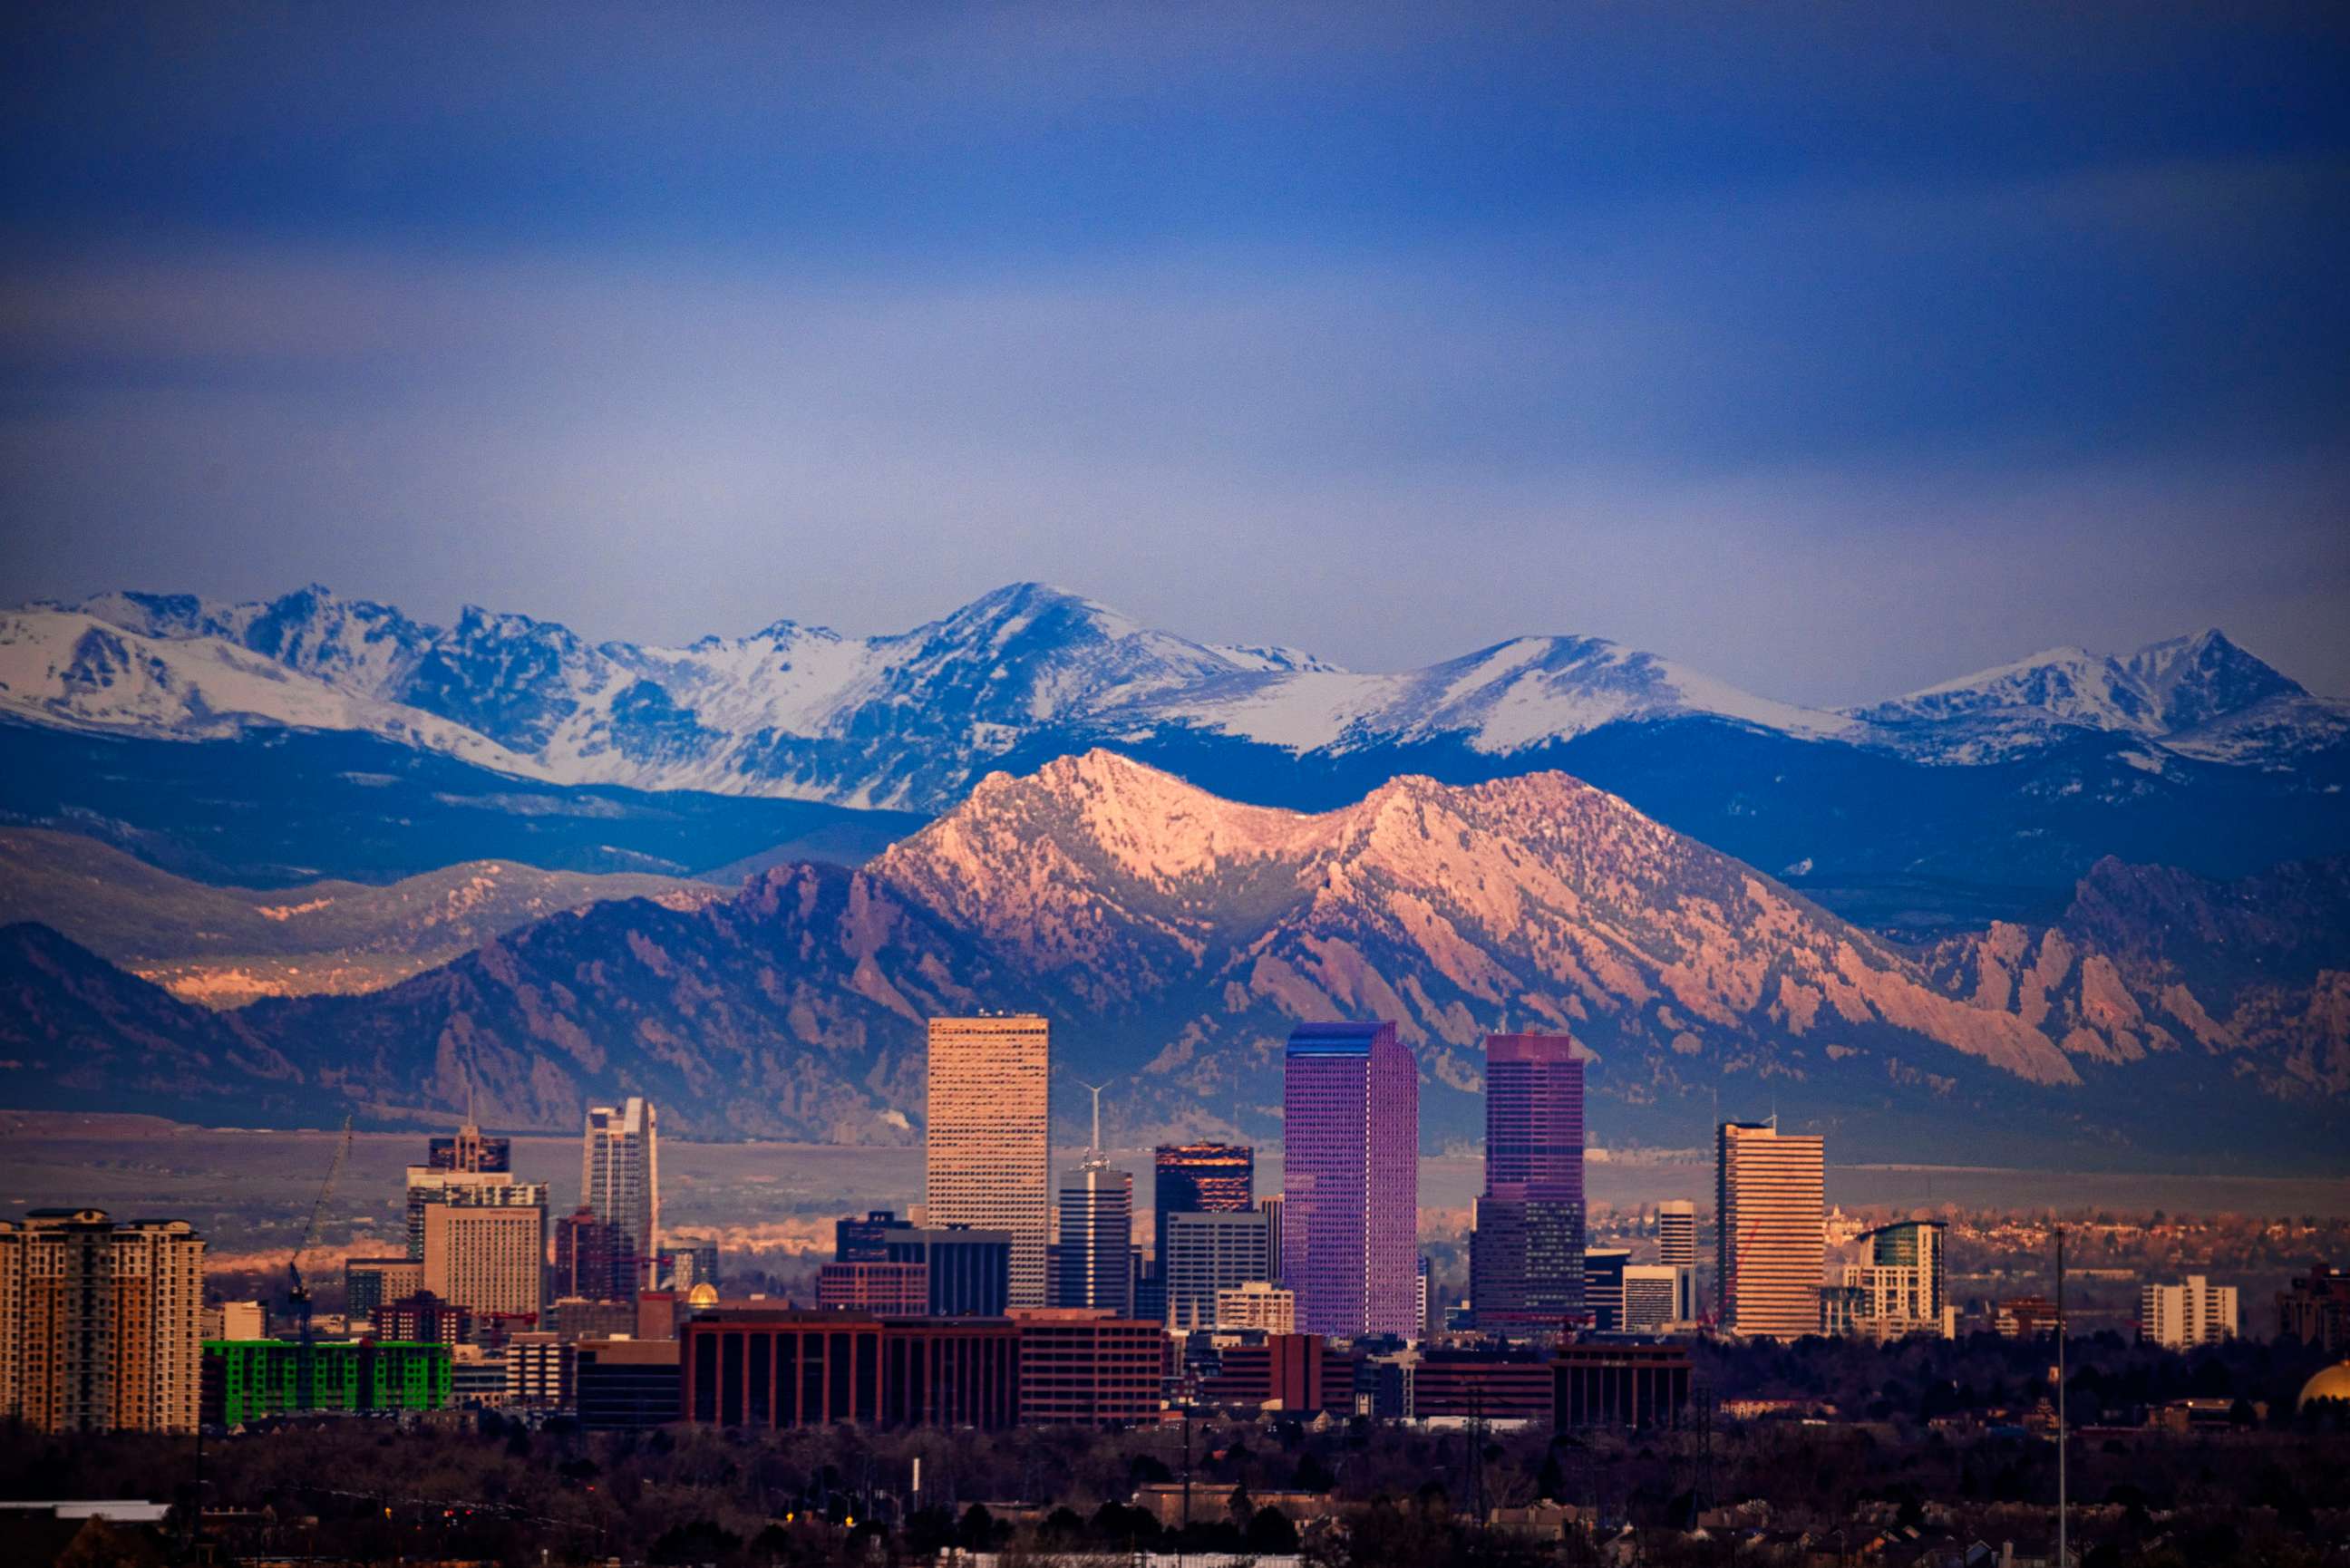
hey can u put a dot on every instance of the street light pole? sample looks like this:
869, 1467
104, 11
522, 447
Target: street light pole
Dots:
2063, 1553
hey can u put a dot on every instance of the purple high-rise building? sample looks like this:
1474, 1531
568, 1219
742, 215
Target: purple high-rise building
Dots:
1526, 1261
1350, 1171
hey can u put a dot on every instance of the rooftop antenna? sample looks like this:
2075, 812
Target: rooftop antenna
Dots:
1094, 1155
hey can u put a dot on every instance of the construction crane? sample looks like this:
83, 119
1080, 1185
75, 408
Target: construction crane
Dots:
298, 1295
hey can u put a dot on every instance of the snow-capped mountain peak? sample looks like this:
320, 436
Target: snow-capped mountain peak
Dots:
1028, 671
2170, 693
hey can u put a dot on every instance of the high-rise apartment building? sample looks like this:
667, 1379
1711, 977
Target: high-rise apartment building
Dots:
2180, 1316
989, 1137
1350, 1106
1677, 1232
1097, 1252
595, 1259
488, 1257
1198, 1179
619, 1171
1901, 1287
1770, 1201
1208, 1254
1525, 1261
99, 1322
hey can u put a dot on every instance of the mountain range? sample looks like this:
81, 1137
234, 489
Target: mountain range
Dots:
226, 946
1174, 935
1984, 797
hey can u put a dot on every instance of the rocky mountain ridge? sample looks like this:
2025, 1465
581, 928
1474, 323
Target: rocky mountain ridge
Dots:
1174, 937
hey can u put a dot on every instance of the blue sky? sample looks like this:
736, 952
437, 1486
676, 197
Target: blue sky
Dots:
1833, 351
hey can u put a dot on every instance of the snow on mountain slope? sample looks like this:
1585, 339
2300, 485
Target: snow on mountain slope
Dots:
2200, 695
60, 668
913, 718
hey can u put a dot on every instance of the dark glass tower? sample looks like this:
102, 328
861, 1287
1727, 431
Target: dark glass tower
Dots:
1200, 1178
1526, 1261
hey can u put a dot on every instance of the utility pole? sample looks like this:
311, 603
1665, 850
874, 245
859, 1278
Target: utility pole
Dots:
2064, 1554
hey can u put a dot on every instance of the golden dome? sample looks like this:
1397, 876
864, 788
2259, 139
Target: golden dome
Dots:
705, 1294
2331, 1382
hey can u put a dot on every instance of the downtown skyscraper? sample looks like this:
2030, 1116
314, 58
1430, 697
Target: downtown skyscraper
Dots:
1771, 1201
1350, 1106
988, 1139
619, 1171
1526, 1255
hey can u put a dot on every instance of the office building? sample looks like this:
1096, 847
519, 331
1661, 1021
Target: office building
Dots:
98, 1322
754, 1366
482, 1189
1198, 1179
1677, 1232
883, 1290
1270, 1207
1603, 1287
970, 1270
1901, 1287
1525, 1261
1350, 1104
623, 1384
1769, 1206
989, 1138
1096, 1257
1207, 1254
2180, 1316
1503, 1386
468, 1152
2316, 1309
246, 1380
1637, 1386
595, 1259
1080, 1367
691, 1264
539, 1371
1422, 1298
235, 1320
1256, 1307
1299, 1373
423, 1318
1658, 1297
863, 1241
620, 1172
369, 1283
2025, 1317
489, 1258
477, 1379
575, 1318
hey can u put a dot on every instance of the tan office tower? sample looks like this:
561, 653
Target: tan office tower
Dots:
1771, 1195
988, 1142
1677, 1232
620, 1172
99, 1323
489, 1257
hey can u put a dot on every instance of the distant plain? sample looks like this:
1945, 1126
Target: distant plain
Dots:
251, 1192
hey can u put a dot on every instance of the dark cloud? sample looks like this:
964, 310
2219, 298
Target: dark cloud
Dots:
1836, 358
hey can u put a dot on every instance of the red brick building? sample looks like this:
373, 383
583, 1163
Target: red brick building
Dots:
767, 1367
1289, 1372
885, 1290
1087, 1366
